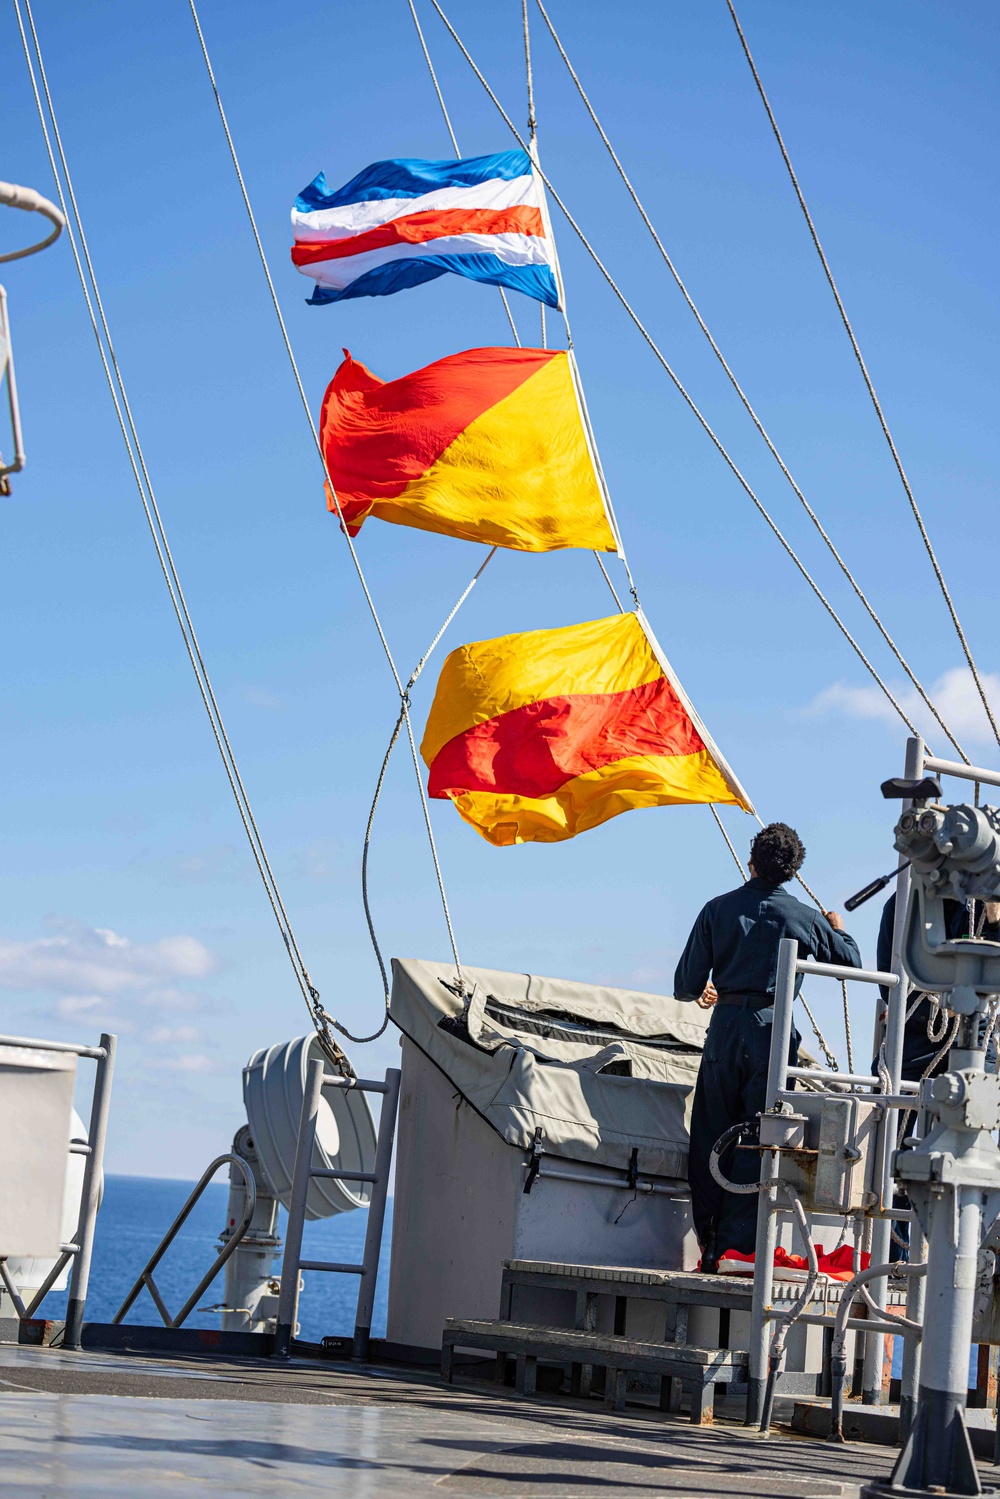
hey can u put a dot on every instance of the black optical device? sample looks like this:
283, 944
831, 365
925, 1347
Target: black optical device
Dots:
900, 789
854, 901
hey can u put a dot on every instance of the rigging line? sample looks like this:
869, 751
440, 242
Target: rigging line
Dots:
600, 562
126, 423
584, 414
831, 1060
532, 121
361, 1040
869, 383
288, 345
454, 145
751, 412
682, 390
154, 521
729, 842
332, 488
812, 1019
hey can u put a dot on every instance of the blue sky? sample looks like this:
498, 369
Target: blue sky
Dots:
128, 899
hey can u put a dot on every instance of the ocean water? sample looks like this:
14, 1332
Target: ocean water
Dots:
136, 1213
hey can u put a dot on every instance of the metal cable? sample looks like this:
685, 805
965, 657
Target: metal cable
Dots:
532, 152
831, 1060
532, 120
607, 578
843, 984
679, 386
332, 489
869, 384
454, 146
729, 843
751, 412
126, 422
849, 1038
378, 792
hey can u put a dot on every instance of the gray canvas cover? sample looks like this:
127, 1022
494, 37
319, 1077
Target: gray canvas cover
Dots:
601, 1071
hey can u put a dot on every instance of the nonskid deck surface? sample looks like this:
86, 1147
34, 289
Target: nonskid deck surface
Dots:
94, 1424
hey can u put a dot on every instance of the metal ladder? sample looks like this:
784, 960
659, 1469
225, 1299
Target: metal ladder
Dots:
304, 1171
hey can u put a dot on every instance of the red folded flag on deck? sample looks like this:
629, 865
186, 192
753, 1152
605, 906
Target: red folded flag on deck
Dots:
838, 1265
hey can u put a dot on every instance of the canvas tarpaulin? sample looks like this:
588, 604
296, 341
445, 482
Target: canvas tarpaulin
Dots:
602, 1072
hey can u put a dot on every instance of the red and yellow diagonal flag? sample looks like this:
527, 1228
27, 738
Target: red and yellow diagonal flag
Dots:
537, 737
488, 445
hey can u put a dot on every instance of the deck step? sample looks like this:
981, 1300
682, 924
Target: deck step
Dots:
698, 1369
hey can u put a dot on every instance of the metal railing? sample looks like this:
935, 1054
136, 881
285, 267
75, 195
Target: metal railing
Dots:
82, 1248
790, 966
231, 1244
304, 1171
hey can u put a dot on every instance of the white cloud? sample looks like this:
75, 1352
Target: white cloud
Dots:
91, 961
954, 694
259, 697
190, 1062
163, 1035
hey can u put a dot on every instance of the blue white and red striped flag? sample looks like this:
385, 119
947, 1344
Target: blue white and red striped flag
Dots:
399, 223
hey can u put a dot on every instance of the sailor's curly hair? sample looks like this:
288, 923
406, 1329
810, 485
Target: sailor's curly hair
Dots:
777, 853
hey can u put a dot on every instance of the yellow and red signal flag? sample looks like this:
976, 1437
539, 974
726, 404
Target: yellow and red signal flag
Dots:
537, 737
488, 445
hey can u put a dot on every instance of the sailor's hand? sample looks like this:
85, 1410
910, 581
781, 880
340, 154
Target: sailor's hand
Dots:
707, 998
835, 920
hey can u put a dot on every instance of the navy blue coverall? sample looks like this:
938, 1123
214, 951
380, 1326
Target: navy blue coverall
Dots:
735, 942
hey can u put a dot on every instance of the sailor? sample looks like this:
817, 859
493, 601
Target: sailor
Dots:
730, 963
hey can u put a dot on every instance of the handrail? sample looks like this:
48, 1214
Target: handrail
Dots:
13, 196
146, 1276
30, 1043
841, 971
964, 772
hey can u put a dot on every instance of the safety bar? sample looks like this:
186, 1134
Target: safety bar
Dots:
647, 1188
839, 971
854, 1079
304, 1171
29, 1043
331, 1265
80, 1251
146, 1275
964, 772
879, 1100
344, 1176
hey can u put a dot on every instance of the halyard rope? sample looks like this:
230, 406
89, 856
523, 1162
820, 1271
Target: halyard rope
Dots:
455, 147
869, 384
573, 224
679, 386
404, 704
532, 121
147, 495
751, 412
378, 792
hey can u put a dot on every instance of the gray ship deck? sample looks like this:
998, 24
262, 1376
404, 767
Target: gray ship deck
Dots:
126, 1423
